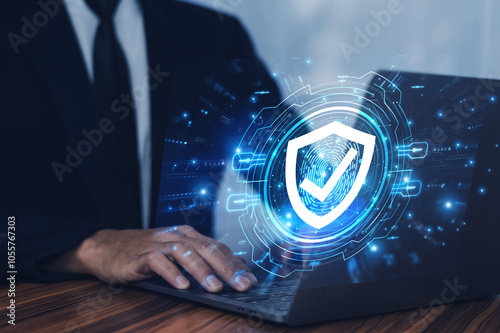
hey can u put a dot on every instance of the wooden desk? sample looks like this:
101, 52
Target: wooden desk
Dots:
91, 306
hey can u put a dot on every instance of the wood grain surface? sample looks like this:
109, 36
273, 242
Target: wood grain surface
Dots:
92, 306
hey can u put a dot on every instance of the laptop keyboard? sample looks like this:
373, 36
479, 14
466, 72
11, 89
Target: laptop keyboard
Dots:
270, 295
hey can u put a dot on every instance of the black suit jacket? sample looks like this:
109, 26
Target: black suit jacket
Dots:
45, 99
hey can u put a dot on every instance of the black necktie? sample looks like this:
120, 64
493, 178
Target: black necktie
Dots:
122, 208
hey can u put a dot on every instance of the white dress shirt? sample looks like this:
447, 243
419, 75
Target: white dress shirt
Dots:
129, 27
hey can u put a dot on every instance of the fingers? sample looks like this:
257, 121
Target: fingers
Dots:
159, 264
224, 263
203, 258
230, 256
194, 264
239, 262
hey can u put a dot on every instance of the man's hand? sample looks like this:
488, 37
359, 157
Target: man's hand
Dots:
133, 255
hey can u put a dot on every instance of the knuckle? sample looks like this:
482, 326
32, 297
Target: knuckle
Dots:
199, 266
185, 228
229, 267
224, 248
205, 247
164, 234
169, 270
179, 246
152, 256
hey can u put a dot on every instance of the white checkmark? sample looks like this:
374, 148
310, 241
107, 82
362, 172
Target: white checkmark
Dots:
322, 193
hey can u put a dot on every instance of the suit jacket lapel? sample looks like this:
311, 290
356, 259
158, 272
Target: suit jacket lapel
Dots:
56, 55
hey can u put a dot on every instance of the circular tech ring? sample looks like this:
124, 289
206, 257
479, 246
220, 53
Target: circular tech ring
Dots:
324, 173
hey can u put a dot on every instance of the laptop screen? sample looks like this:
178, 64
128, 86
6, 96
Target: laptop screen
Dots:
361, 179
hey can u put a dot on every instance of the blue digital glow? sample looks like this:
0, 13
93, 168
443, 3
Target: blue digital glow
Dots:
220, 169
271, 224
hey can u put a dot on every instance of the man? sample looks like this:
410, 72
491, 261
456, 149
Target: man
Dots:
84, 87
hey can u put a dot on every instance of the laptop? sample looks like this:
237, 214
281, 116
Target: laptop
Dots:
365, 195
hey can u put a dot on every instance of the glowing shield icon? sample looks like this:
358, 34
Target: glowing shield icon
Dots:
321, 193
